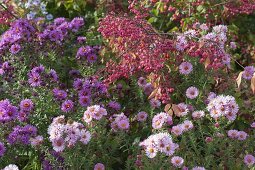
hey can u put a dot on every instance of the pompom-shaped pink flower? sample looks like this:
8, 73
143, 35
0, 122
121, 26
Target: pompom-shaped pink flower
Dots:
177, 161
185, 68
198, 114
242, 135
192, 92
177, 130
123, 124
233, 134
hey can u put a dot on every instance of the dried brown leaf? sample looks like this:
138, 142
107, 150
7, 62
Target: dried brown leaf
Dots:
239, 79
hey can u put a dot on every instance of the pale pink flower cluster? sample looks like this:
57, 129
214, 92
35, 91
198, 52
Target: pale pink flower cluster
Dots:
198, 114
160, 119
181, 128
223, 106
121, 122
239, 135
161, 142
94, 112
64, 133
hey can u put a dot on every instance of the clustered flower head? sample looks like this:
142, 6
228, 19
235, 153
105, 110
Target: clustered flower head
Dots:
94, 112
22, 134
160, 119
120, 122
161, 142
8, 112
223, 106
68, 133
235, 134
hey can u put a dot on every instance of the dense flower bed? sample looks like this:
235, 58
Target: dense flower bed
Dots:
149, 85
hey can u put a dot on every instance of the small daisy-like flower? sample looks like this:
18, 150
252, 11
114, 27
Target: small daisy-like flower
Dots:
185, 68
99, 166
58, 144
253, 125
85, 136
67, 106
242, 135
26, 105
192, 92
183, 110
155, 103
141, 82
87, 117
249, 160
198, 114
84, 101
151, 151
91, 58
177, 130
15, 48
11, 167
233, 134
142, 116
248, 72
123, 124
177, 161
187, 125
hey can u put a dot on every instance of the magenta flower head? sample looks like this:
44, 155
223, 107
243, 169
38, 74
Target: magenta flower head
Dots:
84, 101
26, 105
15, 48
185, 68
67, 106
248, 72
142, 116
99, 166
177, 161
76, 24
249, 160
192, 92
59, 94
2, 149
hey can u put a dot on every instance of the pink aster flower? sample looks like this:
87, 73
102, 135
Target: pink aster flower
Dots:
192, 92
198, 114
177, 161
155, 103
87, 117
177, 130
123, 124
99, 166
187, 125
249, 160
253, 125
242, 135
151, 151
233, 134
158, 120
36, 140
141, 82
248, 72
58, 144
142, 116
185, 68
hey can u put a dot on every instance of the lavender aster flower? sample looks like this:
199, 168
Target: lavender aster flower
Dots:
249, 160
84, 101
248, 72
99, 166
2, 149
15, 48
67, 106
26, 105
185, 68
192, 92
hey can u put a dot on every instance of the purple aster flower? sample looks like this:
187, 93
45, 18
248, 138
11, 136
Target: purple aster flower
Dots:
2, 149
39, 69
26, 105
56, 35
123, 124
34, 79
53, 75
249, 160
78, 84
59, 21
76, 24
84, 101
155, 103
248, 72
59, 94
83, 51
67, 106
99, 166
177, 161
81, 39
74, 73
233, 45
142, 116
114, 105
15, 48
141, 82
192, 92
185, 68
84, 92
91, 58
148, 88
22, 116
